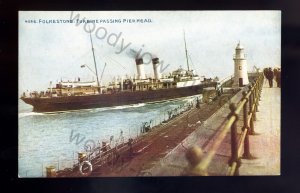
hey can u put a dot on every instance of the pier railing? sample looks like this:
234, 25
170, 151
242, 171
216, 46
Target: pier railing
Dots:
226, 80
245, 111
98, 158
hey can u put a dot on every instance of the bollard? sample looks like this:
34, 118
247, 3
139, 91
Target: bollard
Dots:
260, 86
50, 172
253, 116
234, 143
245, 113
194, 155
250, 99
255, 102
253, 109
256, 96
246, 154
252, 132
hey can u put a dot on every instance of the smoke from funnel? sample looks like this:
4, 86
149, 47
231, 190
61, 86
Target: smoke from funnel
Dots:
131, 53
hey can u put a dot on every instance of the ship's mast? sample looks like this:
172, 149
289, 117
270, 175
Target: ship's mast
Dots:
186, 55
102, 72
95, 62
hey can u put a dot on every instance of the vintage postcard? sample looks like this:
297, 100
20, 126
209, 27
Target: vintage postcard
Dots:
149, 93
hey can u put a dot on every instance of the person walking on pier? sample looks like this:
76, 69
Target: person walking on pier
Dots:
277, 74
198, 103
266, 70
270, 76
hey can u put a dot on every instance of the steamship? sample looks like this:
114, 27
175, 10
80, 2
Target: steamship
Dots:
76, 95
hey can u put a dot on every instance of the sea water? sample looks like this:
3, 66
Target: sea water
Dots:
56, 138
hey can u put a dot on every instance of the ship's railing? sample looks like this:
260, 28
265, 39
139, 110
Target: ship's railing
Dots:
239, 142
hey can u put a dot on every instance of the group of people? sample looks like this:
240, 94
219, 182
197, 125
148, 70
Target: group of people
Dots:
271, 74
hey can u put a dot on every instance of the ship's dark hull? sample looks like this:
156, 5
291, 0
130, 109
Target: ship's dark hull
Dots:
108, 100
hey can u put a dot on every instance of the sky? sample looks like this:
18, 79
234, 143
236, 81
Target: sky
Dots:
51, 51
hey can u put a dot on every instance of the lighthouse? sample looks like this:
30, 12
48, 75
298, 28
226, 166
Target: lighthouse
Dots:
240, 67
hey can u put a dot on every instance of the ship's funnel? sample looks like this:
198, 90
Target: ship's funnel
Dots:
155, 62
140, 68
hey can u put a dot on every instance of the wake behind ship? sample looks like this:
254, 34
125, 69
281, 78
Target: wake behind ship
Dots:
75, 95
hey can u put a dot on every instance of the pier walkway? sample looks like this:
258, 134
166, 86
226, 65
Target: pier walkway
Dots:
264, 143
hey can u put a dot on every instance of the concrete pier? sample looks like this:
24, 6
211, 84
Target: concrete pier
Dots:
264, 145
175, 162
